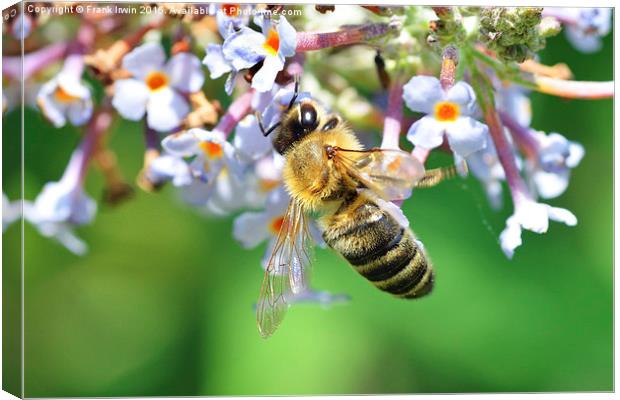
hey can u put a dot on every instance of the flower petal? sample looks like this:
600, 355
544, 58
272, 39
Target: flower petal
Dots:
130, 98
244, 48
467, 135
510, 238
422, 92
426, 133
144, 59
185, 72
463, 94
562, 215
264, 79
249, 141
250, 229
166, 109
168, 167
288, 38
550, 184
80, 112
184, 144
215, 61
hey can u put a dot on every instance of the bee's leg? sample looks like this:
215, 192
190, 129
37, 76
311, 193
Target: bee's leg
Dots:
267, 131
434, 176
295, 93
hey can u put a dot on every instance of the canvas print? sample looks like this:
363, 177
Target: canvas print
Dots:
209, 199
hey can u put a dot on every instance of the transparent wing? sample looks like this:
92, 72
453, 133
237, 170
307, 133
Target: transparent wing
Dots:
288, 270
390, 173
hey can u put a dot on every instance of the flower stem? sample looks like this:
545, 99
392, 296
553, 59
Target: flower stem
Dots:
574, 89
33, 62
308, 41
522, 135
235, 113
392, 123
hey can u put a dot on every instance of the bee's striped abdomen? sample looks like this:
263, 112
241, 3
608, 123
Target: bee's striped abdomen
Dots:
379, 248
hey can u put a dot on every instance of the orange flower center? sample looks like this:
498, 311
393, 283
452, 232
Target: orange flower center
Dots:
272, 43
231, 10
276, 225
211, 149
268, 184
446, 111
156, 80
62, 96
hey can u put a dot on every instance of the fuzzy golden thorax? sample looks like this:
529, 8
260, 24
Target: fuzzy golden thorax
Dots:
312, 179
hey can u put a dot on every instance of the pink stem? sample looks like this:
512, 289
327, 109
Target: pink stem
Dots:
308, 41
33, 62
392, 124
574, 89
235, 113
421, 154
518, 188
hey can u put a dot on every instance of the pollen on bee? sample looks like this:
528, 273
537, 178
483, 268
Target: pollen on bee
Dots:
272, 43
156, 80
212, 149
446, 111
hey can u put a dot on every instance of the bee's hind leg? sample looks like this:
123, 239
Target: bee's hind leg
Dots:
434, 176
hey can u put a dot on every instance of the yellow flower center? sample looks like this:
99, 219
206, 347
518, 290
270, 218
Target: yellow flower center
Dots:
446, 111
212, 149
156, 80
276, 224
272, 43
62, 96
231, 10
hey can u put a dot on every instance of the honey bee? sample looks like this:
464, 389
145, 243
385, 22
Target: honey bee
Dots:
328, 174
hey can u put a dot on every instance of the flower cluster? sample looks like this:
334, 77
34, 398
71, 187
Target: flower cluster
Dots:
456, 79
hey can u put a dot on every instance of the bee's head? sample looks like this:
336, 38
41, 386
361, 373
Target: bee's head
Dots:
300, 120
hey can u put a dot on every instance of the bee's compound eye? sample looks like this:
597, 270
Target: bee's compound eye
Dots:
308, 116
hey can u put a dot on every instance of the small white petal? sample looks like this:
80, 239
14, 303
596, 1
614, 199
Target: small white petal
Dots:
185, 72
463, 95
426, 133
144, 59
264, 79
172, 168
422, 92
562, 215
510, 238
550, 184
166, 109
244, 48
215, 61
467, 135
80, 112
249, 140
53, 110
288, 38
576, 153
251, 228
130, 98
197, 193
532, 216
184, 144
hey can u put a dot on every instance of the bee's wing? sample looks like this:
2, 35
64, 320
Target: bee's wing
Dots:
287, 272
390, 173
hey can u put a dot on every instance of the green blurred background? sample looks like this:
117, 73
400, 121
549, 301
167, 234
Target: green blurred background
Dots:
162, 304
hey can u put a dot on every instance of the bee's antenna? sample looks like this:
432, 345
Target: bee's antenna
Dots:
265, 132
295, 94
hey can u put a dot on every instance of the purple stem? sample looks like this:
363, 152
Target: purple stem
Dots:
34, 61
392, 124
522, 135
308, 41
235, 113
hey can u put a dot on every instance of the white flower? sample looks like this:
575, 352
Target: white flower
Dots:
249, 141
584, 27
11, 211
210, 155
448, 113
550, 173
513, 100
253, 228
167, 167
534, 217
65, 97
157, 88
245, 48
